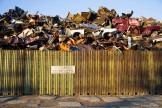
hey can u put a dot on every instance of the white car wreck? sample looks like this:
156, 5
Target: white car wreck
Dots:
104, 31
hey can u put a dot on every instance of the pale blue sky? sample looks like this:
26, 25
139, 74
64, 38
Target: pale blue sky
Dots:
147, 8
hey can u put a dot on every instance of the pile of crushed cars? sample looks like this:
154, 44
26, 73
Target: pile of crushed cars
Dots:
102, 30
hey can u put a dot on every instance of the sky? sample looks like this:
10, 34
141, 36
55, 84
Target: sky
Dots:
146, 8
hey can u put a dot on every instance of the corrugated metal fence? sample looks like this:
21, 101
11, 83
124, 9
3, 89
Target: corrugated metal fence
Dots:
96, 73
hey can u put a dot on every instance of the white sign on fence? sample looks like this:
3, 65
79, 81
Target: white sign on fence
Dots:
62, 69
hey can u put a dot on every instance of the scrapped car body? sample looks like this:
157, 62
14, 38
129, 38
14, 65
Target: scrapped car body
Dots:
134, 22
93, 26
149, 29
103, 31
134, 26
96, 32
131, 21
120, 21
145, 31
158, 39
107, 31
80, 31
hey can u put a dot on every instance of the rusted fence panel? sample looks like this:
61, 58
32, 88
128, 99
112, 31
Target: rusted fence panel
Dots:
11, 72
96, 73
38, 78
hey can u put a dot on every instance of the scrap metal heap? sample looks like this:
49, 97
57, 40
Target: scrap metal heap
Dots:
102, 30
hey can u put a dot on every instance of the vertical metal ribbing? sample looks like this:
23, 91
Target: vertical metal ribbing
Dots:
99, 72
17, 72
27, 73
72, 75
76, 75
65, 63
133, 78
30, 72
22, 70
61, 76
44, 74
128, 77
151, 71
56, 76
37, 73
66, 77
125, 74
40, 72
110, 88
48, 65
5, 73
87, 68
159, 58
115, 72
103, 74
157, 72
106, 72
1, 72
91, 73
34, 72
81, 72
95, 76
8, 74
69, 77
14, 73
54, 59
144, 60
139, 77
85, 74
122, 75
45, 71
50, 75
